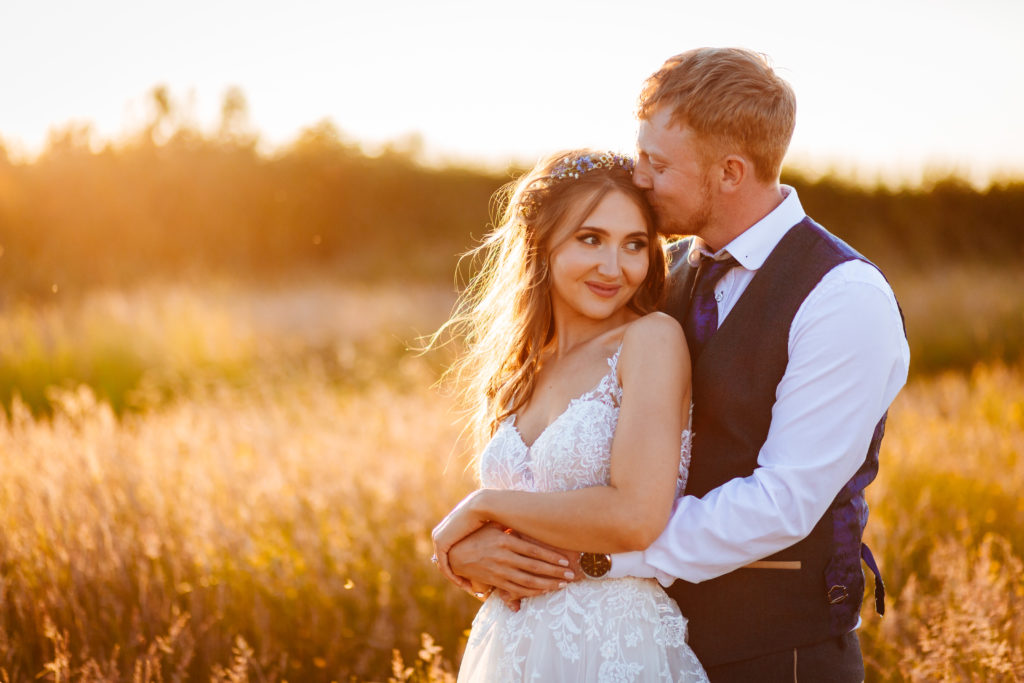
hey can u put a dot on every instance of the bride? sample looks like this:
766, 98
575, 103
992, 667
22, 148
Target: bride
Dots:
580, 387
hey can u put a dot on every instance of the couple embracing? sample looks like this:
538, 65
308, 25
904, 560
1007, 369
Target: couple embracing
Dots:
703, 417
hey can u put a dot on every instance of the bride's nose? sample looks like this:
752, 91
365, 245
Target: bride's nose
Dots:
609, 263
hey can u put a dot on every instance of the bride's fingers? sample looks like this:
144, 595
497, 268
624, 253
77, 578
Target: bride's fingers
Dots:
446, 568
545, 570
440, 558
536, 576
532, 550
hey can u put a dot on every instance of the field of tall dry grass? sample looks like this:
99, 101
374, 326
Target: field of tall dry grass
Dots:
220, 483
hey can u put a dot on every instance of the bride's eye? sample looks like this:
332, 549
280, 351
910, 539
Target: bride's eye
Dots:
589, 238
636, 245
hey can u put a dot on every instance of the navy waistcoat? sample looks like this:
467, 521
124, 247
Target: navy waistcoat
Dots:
753, 612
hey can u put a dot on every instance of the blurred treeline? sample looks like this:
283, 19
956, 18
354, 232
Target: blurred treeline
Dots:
171, 199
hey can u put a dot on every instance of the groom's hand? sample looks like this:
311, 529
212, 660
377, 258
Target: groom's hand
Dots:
515, 566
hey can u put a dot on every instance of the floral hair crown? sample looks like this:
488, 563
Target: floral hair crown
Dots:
573, 168
570, 168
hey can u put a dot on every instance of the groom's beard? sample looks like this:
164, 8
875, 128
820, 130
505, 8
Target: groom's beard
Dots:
672, 223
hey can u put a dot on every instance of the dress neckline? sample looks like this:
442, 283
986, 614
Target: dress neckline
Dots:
588, 395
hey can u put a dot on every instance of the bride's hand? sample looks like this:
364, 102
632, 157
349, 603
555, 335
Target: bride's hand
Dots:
459, 523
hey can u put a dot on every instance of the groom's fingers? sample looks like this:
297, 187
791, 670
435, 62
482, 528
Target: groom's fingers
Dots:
516, 584
506, 573
512, 602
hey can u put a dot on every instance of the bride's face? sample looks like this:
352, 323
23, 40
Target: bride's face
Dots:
597, 268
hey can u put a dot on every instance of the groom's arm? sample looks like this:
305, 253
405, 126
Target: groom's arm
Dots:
848, 360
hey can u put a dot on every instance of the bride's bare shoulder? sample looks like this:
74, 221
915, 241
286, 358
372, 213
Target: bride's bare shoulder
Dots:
653, 349
654, 327
656, 337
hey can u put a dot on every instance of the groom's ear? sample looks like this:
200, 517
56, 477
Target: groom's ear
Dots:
734, 170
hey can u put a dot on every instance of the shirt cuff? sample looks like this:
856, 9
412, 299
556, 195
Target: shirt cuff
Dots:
633, 564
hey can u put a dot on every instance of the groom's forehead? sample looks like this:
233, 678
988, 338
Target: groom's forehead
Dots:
648, 140
662, 138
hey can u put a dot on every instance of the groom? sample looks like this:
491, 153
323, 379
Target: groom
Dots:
798, 349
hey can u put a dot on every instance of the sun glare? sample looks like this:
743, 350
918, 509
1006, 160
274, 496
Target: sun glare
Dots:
483, 83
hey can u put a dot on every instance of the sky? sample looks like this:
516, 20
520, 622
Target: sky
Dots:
896, 90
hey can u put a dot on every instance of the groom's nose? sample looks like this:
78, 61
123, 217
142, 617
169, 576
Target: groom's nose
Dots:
642, 174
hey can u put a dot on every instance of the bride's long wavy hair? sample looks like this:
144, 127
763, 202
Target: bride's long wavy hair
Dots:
504, 316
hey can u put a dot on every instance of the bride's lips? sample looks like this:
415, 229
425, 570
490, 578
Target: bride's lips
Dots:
606, 291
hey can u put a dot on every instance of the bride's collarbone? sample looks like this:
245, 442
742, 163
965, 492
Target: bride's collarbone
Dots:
559, 383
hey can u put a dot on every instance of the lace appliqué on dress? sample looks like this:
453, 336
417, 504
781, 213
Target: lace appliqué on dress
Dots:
625, 630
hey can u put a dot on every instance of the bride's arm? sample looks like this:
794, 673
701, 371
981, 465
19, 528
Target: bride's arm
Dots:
631, 511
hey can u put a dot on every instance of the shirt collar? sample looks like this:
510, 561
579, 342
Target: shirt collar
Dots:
752, 247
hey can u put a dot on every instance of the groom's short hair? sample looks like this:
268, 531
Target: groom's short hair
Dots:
730, 97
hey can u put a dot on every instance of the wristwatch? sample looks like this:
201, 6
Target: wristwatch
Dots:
595, 565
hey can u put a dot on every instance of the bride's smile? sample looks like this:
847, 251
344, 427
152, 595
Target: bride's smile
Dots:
598, 268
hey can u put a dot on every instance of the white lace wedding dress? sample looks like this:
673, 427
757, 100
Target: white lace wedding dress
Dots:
594, 629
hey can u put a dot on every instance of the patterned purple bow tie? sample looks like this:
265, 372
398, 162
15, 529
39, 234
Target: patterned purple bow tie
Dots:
702, 318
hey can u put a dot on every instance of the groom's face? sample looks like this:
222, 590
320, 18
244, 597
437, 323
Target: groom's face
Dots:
669, 166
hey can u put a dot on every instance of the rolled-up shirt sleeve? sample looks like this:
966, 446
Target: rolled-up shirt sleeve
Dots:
848, 359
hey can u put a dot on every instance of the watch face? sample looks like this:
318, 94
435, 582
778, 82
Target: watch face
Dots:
595, 565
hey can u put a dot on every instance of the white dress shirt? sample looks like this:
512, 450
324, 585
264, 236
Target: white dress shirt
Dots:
848, 358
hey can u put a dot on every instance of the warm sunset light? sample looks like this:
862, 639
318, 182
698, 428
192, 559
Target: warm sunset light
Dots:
383, 340
885, 89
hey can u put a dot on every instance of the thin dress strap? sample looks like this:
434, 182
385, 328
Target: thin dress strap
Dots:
614, 385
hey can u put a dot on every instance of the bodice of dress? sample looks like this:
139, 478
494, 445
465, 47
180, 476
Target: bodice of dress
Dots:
606, 630
572, 452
